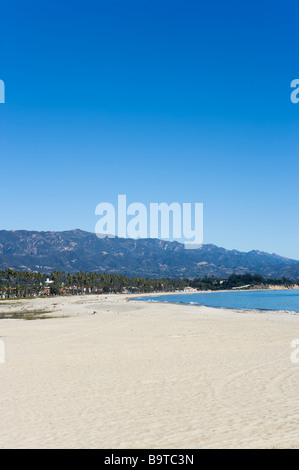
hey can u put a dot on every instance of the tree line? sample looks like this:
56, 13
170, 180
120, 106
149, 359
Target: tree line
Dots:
16, 284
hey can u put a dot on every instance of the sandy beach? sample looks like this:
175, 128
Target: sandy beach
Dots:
105, 372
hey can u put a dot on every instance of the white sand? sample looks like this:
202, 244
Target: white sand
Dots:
147, 375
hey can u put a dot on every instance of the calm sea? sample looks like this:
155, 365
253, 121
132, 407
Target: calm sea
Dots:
282, 300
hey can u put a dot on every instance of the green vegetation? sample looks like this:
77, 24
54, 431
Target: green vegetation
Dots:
18, 284
239, 280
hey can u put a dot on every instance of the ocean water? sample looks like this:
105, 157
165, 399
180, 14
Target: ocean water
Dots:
282, 300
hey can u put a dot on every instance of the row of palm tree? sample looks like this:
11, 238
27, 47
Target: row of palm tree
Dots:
27, 284
15, 283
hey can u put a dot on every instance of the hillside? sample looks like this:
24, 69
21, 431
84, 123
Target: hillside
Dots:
77, 250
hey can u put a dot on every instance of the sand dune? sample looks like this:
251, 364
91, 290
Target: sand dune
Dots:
147, 375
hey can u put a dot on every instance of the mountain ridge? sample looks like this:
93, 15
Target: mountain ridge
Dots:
75, 250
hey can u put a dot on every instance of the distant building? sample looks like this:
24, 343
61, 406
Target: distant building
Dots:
242, 287
189, 289
45, 291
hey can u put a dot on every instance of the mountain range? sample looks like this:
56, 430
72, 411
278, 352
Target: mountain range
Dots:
76, 250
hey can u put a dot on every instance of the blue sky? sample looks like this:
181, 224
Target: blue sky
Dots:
160, 100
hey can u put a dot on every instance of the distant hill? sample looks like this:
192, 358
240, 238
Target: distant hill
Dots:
77, 250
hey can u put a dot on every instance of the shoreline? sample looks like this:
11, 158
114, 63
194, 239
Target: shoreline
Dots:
238, 310
7, 307
271, 287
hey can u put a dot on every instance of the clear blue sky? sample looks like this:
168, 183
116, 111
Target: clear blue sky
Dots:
183, 101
